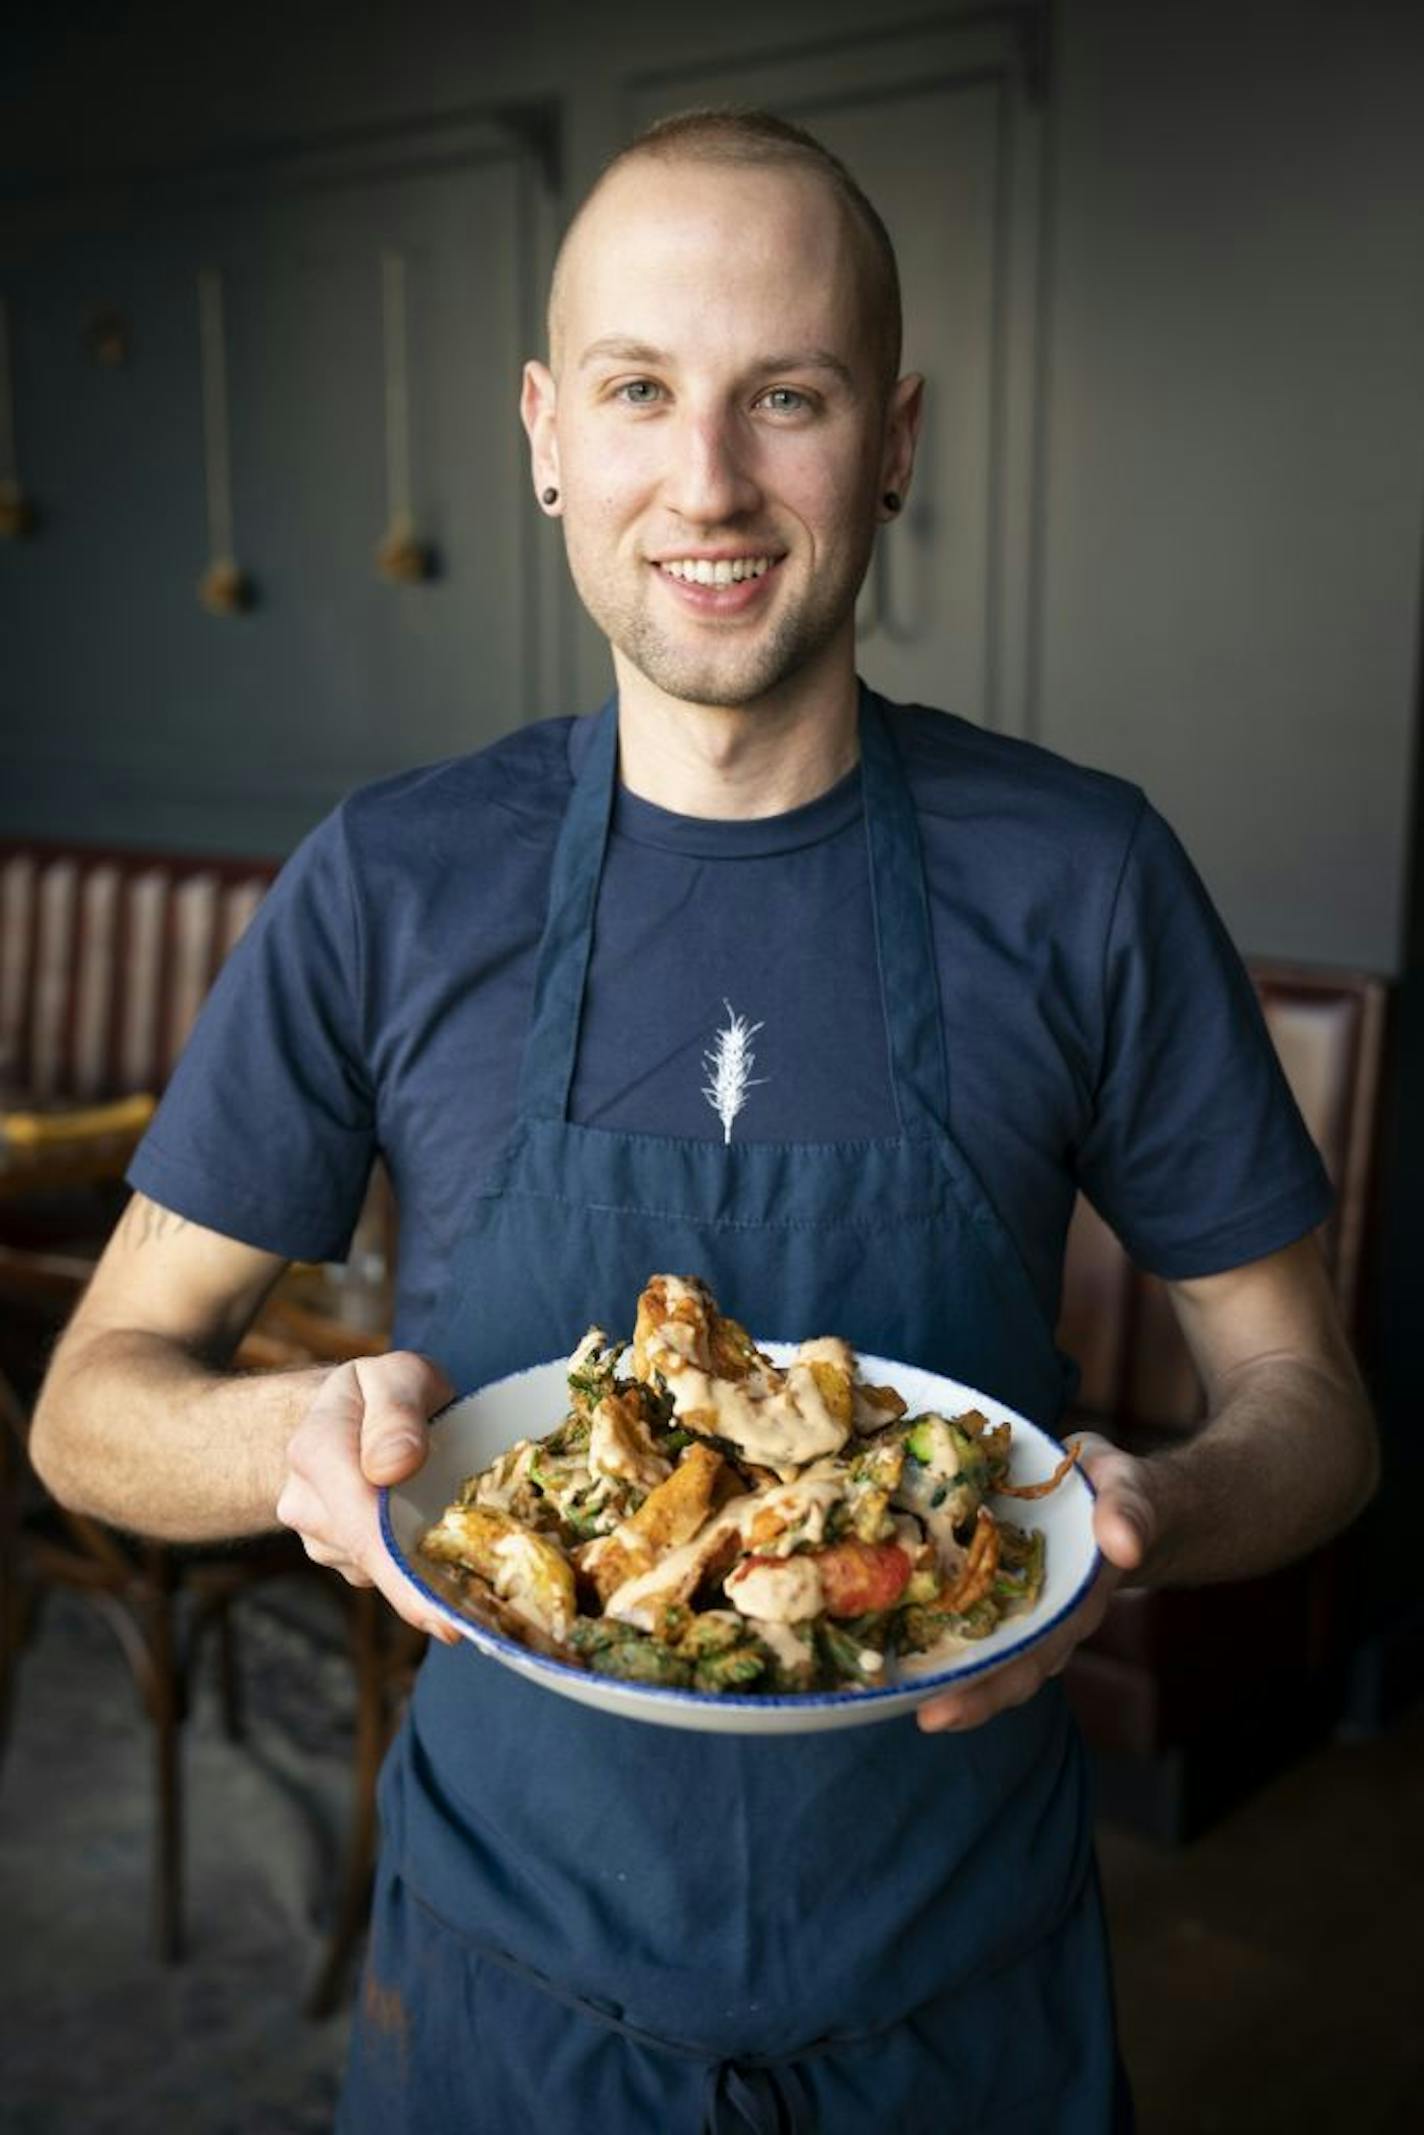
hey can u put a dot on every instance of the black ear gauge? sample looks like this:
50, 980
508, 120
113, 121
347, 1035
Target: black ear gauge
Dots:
892, 500
549, 496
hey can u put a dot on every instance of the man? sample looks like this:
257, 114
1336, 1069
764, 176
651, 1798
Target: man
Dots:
974, 976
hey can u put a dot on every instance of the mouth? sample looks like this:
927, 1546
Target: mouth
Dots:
718, 585
718, 570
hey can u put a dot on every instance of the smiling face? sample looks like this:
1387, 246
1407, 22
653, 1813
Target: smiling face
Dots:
719, 432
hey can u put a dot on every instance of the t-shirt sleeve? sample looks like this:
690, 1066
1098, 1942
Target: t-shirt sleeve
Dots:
266, 1129
1196, 1153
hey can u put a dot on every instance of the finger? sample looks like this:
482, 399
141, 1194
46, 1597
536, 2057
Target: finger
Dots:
412, 1607
400, 1393
1020, 1679
408, 1604
978, 1702
372, 1566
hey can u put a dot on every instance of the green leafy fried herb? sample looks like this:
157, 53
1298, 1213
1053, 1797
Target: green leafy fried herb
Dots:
616, 1649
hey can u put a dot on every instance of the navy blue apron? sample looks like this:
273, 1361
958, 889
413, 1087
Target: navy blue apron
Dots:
587, 1923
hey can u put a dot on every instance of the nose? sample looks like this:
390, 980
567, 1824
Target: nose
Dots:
711, 479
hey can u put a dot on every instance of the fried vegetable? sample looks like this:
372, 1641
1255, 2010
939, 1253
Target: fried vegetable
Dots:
776, 1589
857, 1577
834, 1387
724, 1652
844, 1658
793, 1663
620, 1445
678, 1324
950, 1453
919, 1629
880, 1463
611, 1648
592, 1370
1019, 1579
976, 1578
737, 1668
712, 1652
525, 1569
667, 1517
571, 1437
1028, 1490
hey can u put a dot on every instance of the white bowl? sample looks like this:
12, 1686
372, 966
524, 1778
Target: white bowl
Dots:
472, 1431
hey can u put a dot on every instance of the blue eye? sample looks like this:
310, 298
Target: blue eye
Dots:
638, 392
785, 400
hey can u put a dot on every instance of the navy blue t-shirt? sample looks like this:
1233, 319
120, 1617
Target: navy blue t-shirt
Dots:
1100, 1029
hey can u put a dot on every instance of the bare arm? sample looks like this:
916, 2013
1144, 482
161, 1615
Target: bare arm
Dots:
1286, 1457
139, 1422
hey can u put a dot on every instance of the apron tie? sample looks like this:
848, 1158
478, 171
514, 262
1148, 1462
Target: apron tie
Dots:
756, 2097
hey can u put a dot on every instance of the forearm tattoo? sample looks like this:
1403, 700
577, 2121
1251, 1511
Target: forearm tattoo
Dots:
145, 1221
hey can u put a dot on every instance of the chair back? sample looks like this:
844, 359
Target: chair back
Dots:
105, 957
1117, 1322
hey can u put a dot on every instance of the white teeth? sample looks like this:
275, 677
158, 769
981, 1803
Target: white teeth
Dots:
726, 571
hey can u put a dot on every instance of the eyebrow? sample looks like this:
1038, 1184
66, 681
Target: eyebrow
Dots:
805, 359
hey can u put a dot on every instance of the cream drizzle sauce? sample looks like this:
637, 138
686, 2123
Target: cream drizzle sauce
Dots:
802, 1506
793, 1656
785, 1590
495, 1491
778, 1420
522, 1578
619, 1447
675, 1576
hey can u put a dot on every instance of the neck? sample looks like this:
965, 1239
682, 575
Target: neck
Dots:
736, 762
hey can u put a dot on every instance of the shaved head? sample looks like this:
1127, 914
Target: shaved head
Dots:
721, 426
735, 138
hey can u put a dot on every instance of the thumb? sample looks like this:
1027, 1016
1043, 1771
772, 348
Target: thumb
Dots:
400, 1392
1125, 1514
1124, 1520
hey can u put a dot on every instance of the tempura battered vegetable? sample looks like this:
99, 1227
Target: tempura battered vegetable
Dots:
714, 1522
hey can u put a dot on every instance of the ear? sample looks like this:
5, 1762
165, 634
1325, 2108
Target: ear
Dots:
538, 402
903, 416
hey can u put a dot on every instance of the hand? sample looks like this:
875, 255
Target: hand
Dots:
368, 1425
1124, 1528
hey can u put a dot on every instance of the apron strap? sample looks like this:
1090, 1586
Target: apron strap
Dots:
754, 2098
908, 982
547, 1074
909, 979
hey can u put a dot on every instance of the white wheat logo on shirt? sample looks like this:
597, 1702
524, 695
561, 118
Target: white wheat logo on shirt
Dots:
729, 1066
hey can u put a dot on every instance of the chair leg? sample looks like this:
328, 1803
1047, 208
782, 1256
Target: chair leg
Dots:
372, 1725
12, 1599
234, 1718
166, 1703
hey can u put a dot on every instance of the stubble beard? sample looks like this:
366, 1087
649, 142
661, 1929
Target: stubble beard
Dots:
730, 674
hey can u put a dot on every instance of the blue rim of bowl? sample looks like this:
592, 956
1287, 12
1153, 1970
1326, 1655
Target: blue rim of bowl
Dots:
527, 1661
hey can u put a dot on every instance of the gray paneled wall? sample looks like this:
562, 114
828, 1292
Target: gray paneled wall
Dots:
1171, 505
1236, 458
134, 712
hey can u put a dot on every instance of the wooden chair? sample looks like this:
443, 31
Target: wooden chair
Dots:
166, 1605
162, 1605
1188, 1697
